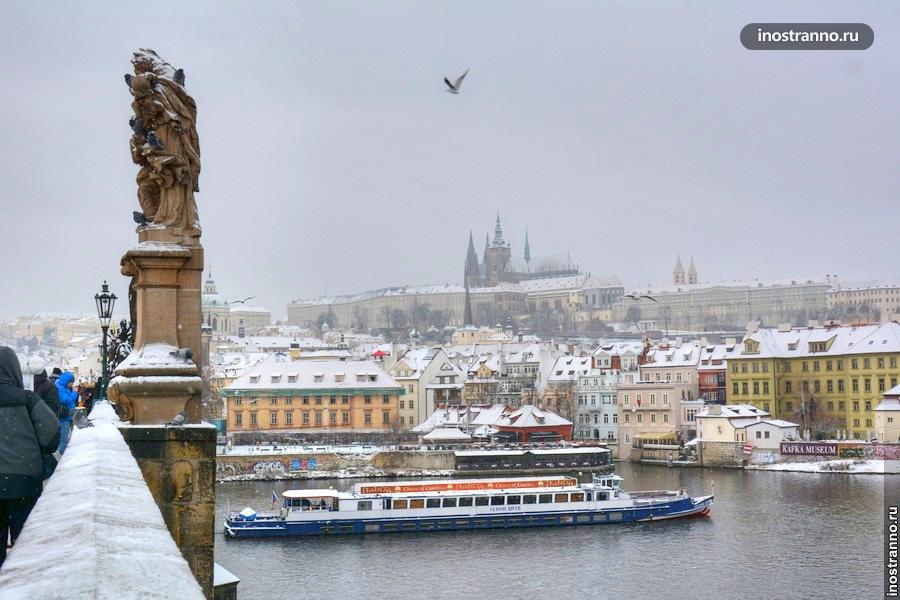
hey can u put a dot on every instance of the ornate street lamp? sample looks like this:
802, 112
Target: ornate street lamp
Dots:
105, 303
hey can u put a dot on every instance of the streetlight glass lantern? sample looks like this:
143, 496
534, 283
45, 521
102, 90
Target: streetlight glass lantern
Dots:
105, 304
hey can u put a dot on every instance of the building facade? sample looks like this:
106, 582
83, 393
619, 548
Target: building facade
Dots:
827, 379
865, 301
279, 394
597, 411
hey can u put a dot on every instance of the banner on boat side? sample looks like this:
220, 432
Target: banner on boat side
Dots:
466, 486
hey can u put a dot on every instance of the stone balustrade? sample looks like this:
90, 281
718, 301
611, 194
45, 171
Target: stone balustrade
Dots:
97, 532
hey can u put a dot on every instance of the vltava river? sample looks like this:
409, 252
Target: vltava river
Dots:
770, 536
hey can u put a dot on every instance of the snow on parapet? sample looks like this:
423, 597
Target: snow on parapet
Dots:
157, 356
119, 554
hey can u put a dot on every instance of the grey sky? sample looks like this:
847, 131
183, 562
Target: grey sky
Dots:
333, 158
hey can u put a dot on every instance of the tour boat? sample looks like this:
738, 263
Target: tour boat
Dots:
462, 504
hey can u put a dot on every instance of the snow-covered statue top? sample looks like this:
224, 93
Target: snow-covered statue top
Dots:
164, 144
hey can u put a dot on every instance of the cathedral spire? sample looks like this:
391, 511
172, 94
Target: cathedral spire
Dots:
678, 272
467, 311
527, 247
471, 274
498, 231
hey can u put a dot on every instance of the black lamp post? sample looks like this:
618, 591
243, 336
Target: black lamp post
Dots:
105, 303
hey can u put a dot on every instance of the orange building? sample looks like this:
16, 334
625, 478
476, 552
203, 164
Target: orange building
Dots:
312, 395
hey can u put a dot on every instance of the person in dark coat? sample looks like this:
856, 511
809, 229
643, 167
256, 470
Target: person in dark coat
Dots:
46, 389
28, 429
67, 398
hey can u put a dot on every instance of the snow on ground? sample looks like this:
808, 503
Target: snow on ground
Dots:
872, 466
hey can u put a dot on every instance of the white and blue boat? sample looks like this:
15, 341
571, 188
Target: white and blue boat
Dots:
448, 505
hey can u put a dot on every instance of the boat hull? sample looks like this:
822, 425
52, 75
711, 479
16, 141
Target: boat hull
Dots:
270, 527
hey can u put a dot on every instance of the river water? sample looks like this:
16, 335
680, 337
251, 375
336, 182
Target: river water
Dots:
770, 536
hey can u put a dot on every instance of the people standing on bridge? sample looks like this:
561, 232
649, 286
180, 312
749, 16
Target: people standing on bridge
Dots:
28, 430
68, 398
46, 389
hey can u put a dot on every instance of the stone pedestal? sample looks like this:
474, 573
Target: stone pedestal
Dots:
179, 466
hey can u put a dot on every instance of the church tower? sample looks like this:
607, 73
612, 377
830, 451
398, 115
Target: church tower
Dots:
678, 272
527, 255
692, 272
497, 257
472, 275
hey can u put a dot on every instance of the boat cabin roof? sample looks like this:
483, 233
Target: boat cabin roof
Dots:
313, 494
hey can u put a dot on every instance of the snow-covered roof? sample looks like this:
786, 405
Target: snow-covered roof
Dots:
276, 373
839, 340
888, 404
529, 415
861, 286
731, 411
569, 368
446, 433
681, 288
686, 354
743, 423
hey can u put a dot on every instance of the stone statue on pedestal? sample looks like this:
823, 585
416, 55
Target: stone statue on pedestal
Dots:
164, 143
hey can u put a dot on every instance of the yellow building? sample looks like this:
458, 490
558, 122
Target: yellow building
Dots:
280, 394
827, 379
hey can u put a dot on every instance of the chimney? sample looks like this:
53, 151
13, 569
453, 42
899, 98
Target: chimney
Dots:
715, 410
295, 351
812, 323
784, 327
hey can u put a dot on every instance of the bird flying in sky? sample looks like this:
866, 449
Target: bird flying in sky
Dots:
454, 87
636, 297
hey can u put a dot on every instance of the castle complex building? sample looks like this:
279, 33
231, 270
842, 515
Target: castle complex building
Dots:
225, 318
498, 265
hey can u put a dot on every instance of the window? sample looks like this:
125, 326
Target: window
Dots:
318, 400
545, 499
411, 403
881, 384
734, 388
854, 364
765, 387
755, 388
653, 418
497, 500
305, 400
345, 399
399, 504
765, 367
831, 406
666, 418
759, 435
385, 417
856, 422
237, 401
467, 501
867, 384
529, 499
867, 364
318, 417
289, 400
815, 365
840, 365
829, 387
253, 418
273, 418
868, 405
385, 399
288, 417
239, 419
787, 387
332, 418
560, 498
449, 503
273, 400
364, 505
640, 418
766, 406
306, 418
855, 406
868, 422
417, 503
767, 435
665, 398
804, 367
840, 385
841, 405
627, 418
755, 367
513, 500
433, 503
332, 400
402, 404
745, 388
577, 497
816, 385
788, 406
367, 399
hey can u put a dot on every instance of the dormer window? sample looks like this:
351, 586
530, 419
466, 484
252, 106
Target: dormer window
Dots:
318, 377
339, 377
276, 378
360, 377
818, 346
292, 378
254, 379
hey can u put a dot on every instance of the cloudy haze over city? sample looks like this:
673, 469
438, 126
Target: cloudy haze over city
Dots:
334, 160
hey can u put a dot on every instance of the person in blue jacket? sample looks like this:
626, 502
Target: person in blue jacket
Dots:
68, 398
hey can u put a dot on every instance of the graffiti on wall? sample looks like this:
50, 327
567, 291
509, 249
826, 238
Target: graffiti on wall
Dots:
842, 449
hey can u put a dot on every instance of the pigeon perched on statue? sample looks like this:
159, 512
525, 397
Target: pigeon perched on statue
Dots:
183, 353
154, 141
179, 419
179, 77
139, 218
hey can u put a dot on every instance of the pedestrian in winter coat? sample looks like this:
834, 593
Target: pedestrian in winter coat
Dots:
46, 389
67, 398
28, 429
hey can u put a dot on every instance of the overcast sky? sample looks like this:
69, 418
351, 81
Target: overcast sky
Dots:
333, 159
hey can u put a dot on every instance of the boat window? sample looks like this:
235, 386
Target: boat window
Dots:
529, 499
602, 495
561, 498
364, 505
497, 500
578, 497
467, 501
514, 499
417, 503
449, 502
399, 504
433, 503
545, 498
588, 497
481, 501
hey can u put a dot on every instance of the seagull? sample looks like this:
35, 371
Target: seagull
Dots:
139, 218
179, 77
636, 297
154, 141
244, 300
454, 87
178, 419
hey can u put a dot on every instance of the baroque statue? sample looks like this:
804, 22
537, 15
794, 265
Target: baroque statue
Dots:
164, 143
